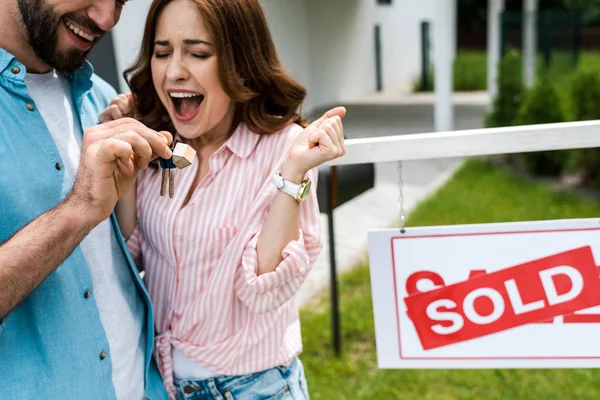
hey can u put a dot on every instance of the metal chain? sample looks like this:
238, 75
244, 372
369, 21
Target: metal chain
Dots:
401, 196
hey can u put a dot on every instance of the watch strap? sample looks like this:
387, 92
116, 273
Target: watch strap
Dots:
285, 186
291, 188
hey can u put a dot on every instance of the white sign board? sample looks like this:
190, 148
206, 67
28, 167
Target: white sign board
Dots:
506, 295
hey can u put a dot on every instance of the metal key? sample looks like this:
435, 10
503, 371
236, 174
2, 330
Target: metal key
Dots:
167, 176
183, 156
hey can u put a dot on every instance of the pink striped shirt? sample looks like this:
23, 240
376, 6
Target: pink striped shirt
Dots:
201, 260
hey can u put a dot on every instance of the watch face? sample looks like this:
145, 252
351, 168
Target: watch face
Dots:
304, 189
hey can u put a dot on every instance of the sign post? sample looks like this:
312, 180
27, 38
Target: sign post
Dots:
502, 295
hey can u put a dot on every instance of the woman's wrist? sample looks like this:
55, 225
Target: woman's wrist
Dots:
292, 173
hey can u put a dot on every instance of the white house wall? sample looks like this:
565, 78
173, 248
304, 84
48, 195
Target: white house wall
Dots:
401, 40
327, 45
288, 24
341, 45
127, 35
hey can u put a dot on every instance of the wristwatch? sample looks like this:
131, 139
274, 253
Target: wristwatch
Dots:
298, 192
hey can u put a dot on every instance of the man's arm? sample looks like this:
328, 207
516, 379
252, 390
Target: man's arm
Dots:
112, 153
36, 250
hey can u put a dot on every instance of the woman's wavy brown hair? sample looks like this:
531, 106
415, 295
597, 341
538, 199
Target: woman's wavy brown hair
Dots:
266, 98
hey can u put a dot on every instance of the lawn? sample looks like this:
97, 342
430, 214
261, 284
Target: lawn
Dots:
479, 192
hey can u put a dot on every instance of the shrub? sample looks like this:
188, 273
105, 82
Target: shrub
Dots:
417, 87
506, 104
584, 102
542, 105
470, 71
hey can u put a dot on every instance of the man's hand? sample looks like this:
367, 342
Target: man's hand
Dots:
111, 156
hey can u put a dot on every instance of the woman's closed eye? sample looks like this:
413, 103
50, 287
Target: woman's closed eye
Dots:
162, 54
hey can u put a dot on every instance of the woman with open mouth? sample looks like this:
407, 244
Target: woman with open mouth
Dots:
224, 257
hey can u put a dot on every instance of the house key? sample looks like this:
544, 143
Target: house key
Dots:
183, 155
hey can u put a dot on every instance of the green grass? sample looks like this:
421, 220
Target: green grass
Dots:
478, 193
590, 60
470, 72
470, 69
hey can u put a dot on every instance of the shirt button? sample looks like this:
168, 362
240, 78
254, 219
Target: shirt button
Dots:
102, 355
58, 166
189, 389
15, 70
30, 107
87, 294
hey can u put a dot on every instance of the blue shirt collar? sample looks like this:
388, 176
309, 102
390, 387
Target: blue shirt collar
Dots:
8, 62
6, 59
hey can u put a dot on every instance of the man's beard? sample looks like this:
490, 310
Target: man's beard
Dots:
41, 25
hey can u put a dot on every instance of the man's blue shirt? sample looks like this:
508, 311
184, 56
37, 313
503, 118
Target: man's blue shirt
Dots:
51, 344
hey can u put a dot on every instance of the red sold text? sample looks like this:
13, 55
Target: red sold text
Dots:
484, 304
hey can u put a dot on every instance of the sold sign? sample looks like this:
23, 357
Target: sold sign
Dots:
532, 292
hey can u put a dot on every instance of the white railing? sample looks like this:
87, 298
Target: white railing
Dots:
472, 142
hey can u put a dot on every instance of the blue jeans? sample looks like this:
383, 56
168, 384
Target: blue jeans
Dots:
279, 383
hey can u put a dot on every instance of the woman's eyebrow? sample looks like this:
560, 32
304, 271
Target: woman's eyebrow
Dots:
185, 41
196, 41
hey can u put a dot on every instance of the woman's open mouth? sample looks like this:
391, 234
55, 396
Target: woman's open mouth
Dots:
186, 104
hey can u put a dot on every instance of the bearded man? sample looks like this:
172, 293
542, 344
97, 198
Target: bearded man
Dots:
75, 318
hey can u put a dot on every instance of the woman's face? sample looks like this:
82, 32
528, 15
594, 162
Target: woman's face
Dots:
185, 72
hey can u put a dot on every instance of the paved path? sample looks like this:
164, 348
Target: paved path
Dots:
379, 207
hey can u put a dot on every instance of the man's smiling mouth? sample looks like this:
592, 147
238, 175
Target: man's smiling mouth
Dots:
79, 31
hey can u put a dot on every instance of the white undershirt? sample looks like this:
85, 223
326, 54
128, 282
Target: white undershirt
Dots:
121, 311
184, 368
